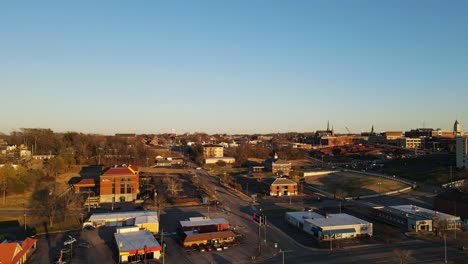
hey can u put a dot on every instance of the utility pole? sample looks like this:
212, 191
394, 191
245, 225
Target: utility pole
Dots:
445, 246
162, 245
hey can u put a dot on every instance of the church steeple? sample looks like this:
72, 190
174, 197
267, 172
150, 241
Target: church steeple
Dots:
328, 125
372, 130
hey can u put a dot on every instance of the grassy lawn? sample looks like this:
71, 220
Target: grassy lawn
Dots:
354, 184
433, 169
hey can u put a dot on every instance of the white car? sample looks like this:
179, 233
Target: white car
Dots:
70, 241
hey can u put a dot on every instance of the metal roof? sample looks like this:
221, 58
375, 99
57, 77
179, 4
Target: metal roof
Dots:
336, 220
301, 216
135, 240
121, 216
196, 221
423, 212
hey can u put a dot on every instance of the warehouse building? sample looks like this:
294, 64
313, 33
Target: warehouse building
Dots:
330, 226
142, 219
416, 219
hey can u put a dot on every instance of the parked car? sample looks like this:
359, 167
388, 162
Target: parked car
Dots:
209, 248
202, 248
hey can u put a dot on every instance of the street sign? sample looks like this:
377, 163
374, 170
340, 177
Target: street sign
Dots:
258, 218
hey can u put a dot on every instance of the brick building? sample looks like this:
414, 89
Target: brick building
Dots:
119, 184
281, 186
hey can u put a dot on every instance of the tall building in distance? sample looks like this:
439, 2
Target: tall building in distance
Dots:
457, 129
462, 152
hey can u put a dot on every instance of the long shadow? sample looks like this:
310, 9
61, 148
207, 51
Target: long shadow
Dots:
220, 259
106, 233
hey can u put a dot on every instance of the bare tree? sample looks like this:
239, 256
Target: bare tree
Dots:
173, 185
402, 256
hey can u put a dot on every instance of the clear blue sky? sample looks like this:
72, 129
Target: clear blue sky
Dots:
233, 66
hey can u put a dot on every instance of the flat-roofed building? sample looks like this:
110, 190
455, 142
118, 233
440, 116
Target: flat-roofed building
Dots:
416, 219
213, 151
204, 224
297, 218
337, 226
410, 143
227, 160
142, 219
205, 231
136, 245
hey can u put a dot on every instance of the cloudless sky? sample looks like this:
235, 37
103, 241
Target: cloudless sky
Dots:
233, 66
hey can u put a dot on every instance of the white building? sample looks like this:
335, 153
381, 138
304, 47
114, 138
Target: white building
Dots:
297, 218
143, 219
462, 152
331, 226
337, 226
227, 160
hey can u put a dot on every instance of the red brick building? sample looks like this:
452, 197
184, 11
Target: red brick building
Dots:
119, 184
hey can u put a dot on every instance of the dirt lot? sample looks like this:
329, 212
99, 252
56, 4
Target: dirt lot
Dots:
353, 184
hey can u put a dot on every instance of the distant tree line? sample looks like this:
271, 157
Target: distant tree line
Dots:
79, 148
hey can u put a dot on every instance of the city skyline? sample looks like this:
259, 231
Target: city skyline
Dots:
240, 67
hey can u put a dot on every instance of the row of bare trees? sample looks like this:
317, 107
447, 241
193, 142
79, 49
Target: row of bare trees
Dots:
80, 148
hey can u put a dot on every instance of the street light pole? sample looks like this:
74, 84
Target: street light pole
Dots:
24, 213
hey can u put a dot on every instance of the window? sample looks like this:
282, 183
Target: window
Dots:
122, 185
129, 187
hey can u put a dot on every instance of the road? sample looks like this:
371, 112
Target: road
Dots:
420, 251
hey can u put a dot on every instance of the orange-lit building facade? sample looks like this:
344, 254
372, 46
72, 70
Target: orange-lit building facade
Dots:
119, 184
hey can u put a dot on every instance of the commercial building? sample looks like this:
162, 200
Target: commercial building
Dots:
410, 143
205, 231
119, 184
297, 218
136, 245
204, 224
213, 151
416, 219
462, 152
142, 219
337, 226
16, 253
330, 226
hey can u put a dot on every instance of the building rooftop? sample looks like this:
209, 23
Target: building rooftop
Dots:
336, 220
301, 216
202, 221
136, 241
281, 162
130, 170
194, 237
422, 212
123, 215
284, 181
